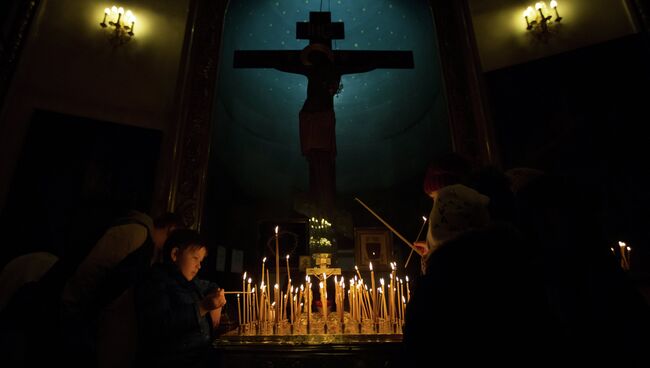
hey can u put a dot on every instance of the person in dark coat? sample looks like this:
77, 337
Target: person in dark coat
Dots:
481, 301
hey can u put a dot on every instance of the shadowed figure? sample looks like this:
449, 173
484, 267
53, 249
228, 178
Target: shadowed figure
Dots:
481, 301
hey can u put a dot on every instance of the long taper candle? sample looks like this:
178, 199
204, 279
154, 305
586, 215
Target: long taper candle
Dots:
249, 310
277, 273
424, 221
243, 289
408, 290
238, 310
374, 294
386, 223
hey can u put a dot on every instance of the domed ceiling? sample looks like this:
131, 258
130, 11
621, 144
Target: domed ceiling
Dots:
388, 121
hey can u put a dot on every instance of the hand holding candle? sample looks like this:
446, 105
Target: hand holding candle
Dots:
417, 238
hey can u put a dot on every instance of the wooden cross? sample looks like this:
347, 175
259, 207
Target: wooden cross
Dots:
323, 68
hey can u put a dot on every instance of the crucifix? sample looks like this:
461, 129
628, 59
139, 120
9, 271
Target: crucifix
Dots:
323, 68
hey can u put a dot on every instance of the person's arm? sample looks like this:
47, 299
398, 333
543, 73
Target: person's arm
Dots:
215, 315
213, 304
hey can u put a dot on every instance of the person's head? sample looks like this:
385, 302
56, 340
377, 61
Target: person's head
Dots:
186, 249
445, 169
163, 225
457, 210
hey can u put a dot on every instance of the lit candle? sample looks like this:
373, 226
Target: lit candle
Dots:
113, 12
539, 6
249, 310
107, 11
120, 11
408, 290
374, 293
383, 296
554, 6
624, 264
263, 263
238, 310
357, 269
629, 250
289, 285
277, 272
243, 290
424, 221
255, 303
308, 302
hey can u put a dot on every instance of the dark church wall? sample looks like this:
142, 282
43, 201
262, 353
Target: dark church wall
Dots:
583, 113
73, 178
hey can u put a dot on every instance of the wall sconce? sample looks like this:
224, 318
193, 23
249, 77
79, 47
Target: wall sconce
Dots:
124, 23
539, 19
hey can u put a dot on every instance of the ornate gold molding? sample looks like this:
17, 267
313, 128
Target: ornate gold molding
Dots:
12, 44
190, 139
469, 123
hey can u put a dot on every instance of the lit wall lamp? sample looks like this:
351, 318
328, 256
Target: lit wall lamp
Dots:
124, 22
539, 18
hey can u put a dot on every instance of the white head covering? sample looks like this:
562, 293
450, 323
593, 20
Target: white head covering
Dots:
456, 209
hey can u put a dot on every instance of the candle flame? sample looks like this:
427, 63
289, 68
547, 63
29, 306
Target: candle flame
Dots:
621, 244
276, 286
287, 257
250, 280
370, 266
407, 279
276, 230
356, 268
264, 260
244, 276
424, 219
381, 281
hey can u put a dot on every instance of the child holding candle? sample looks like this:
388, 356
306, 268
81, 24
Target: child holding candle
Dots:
177, 313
